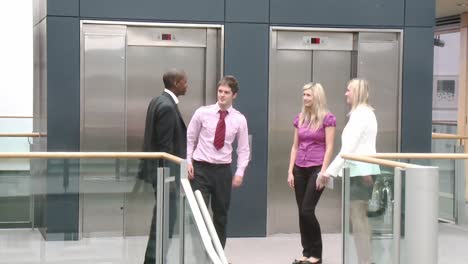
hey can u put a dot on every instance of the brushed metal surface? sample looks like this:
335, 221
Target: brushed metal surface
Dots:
103, 129
329, 40
292, 69
145, 68
122, 69
332, 70
378, 62
371, 55
179, 37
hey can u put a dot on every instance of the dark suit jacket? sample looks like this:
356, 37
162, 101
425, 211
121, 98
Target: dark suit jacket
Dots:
165, 131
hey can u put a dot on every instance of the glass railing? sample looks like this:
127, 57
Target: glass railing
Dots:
104, 208
451, 187
369, 225
451, 180
19, 141
390, 212
15, 178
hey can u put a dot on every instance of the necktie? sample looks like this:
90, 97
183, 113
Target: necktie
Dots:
220, 130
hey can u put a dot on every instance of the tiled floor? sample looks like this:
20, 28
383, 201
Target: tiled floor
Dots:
27, 247
281, 249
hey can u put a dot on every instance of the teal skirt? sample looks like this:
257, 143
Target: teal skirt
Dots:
358, 189
357, 168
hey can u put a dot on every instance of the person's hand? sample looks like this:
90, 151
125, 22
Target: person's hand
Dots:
237, 181
291, 180
191, 176
367, 180
322, 179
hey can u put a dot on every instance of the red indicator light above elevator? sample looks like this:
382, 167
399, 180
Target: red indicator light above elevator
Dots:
166, 36
314, 40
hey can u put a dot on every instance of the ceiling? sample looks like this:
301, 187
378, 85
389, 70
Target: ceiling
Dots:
445, 8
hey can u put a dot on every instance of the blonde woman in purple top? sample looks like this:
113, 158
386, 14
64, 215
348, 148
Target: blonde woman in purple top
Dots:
311, 153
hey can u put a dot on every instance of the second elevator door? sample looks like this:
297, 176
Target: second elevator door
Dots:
331, 58
294, 69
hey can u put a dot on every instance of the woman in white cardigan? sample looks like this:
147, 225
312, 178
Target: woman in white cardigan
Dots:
358, 137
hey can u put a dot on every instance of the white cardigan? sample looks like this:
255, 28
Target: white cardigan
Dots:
359, 137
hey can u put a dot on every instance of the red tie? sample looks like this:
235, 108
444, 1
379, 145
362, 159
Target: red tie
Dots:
220, 130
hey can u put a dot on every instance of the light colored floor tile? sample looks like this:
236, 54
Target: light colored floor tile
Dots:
28, 247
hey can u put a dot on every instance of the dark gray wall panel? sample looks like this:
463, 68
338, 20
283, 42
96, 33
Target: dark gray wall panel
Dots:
247, 10
420, 13
63, 122
338, 12
246, 57
416, 116
63, 7
182, 10
63, 104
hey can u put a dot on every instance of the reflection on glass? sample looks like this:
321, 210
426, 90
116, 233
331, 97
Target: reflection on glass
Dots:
447, 170
102, 208
172, 237
194, 251
368, 222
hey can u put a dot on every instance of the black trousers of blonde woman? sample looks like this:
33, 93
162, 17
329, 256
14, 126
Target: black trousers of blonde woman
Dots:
307, 197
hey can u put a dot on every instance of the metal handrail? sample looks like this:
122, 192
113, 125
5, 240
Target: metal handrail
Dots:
379, 161
444, 122
382, 158
385, 156
447, 136
18, 116
90, 155
419, 155
32, 135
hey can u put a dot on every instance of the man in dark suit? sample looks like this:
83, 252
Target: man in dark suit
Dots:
165, 131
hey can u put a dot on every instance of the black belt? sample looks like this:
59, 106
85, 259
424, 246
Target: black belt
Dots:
217, 165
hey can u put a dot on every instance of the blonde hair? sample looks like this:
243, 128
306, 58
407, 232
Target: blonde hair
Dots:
313, 116
360, 89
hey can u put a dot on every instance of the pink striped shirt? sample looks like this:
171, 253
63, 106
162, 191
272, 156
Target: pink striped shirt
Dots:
201, 133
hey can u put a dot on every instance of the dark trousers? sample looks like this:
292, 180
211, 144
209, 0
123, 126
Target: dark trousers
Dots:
307, 197
215, 181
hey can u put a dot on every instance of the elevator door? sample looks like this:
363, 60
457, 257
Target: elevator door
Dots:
102, 116
293, 64
122, 69
295, 59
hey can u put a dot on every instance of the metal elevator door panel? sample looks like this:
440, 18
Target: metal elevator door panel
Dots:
299, 56
145, 68
333, 70
294, 62
378, 61
292, 69
102, 129
149, 56
122, 69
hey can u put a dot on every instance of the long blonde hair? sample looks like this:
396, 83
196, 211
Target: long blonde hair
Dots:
313, 116
360, 89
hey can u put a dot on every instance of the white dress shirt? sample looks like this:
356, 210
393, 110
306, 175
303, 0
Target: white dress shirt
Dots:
176, 100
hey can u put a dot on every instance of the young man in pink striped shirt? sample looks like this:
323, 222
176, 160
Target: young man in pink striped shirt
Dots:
210, 136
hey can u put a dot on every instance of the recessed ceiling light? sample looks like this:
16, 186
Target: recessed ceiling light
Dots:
462, 4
